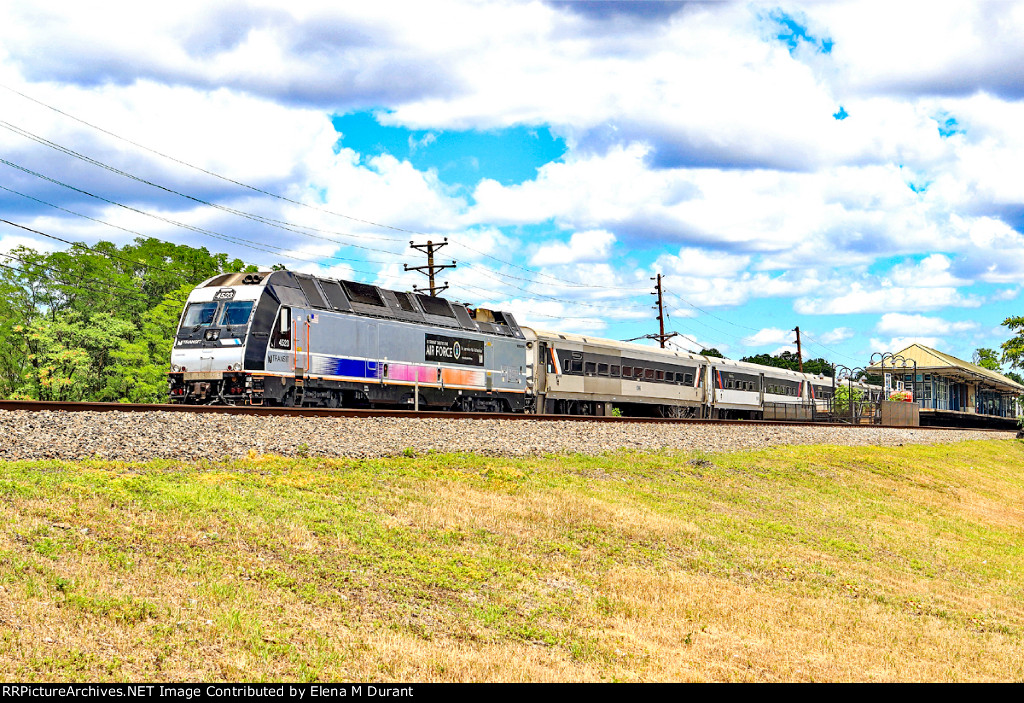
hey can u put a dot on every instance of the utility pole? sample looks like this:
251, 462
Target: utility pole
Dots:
429, 248
661, 336
799, 353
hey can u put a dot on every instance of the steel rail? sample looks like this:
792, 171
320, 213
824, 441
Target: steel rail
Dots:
59, 406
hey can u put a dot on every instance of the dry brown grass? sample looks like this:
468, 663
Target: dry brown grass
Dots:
793, 564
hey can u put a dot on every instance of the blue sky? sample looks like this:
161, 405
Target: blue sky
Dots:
854, 169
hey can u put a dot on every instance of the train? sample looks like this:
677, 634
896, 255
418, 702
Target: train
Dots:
284, 338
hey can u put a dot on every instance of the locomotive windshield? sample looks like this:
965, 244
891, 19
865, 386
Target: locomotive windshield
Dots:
197, 314
236, 312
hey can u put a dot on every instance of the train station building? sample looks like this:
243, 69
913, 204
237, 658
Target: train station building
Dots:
950, 390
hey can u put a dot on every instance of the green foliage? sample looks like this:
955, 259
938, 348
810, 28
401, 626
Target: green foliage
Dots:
712, 352
987, 359
96, 323
845, 394
1013, 348
789, 360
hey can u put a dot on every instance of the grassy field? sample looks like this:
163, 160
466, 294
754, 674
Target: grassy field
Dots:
793, 564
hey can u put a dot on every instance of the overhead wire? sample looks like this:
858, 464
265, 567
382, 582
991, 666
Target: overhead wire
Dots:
495, 275
139, 295
232, 239
253, 245
73, 243
255, 217
557, 279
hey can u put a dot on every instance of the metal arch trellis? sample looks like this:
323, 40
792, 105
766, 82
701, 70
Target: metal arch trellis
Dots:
841, 373
903, 363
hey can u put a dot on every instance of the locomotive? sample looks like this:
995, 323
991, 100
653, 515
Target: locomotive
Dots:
291, 339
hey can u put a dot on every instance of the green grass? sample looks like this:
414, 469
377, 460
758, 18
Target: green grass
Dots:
793, 563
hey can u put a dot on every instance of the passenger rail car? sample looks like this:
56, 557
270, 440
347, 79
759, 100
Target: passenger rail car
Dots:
577, 375
589, 376
284, 338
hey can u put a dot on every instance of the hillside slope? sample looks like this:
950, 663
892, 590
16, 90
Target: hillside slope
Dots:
792, 563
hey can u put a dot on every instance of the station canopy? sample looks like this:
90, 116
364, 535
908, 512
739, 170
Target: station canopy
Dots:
935, 362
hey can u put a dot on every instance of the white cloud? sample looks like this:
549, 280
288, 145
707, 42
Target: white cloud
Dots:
9, 242
861, 299
896, 344
894, 323
769, 336
588, 246
933, 271
702, 263
839, 334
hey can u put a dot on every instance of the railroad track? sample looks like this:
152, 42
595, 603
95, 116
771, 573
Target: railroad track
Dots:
39, 405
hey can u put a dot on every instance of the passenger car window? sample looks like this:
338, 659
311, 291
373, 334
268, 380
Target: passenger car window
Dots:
615, 370
591, 368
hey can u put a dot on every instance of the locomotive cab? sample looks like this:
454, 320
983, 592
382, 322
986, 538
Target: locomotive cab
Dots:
208, 359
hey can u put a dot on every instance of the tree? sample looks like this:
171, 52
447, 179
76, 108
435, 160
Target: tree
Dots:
820, 366
96, 323
987, 359
138, 369
712, 352
845, 396
1013, 348
789, 360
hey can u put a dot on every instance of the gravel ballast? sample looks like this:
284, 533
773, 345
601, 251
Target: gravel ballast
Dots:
138, 436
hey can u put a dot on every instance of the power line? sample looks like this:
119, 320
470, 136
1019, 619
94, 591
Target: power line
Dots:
231, 239
484, 271
73, 243
272, 222
259, 218
297, 229
277, 196
137, 294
